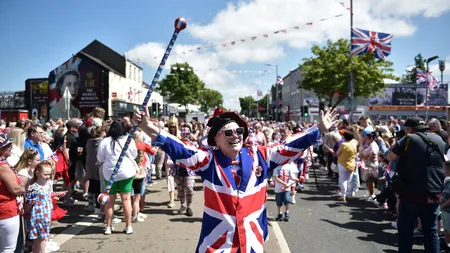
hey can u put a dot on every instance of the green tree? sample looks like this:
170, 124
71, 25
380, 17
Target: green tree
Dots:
410, 76
182, 85
209, 99
262, 103
327, 72
248, 105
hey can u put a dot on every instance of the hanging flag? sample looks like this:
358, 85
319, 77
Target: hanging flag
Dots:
421, 77
260, 93
364, 42
280, 80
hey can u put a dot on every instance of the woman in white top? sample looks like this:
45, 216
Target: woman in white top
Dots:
25, 167
18, 141
108, 153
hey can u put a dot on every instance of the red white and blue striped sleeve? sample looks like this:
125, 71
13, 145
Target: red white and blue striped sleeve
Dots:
281, 154
186, 156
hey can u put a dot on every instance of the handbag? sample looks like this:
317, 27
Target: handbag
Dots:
136, 167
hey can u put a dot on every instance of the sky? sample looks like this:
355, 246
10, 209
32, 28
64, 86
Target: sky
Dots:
38, 36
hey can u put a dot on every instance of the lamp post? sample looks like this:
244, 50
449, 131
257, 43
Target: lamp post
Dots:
428, 83
276, 89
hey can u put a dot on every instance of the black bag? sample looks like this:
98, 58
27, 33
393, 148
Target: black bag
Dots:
181, 171
397, 183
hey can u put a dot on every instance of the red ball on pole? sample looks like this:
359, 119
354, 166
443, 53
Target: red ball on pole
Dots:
180, 24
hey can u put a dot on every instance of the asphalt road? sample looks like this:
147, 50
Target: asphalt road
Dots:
320, 223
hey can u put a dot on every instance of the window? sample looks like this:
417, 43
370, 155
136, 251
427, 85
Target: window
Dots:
135, 74
129, 71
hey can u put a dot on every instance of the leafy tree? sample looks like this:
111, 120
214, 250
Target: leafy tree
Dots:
410, 76
209, 99
262, 103
327, 72
248, 105
181, 86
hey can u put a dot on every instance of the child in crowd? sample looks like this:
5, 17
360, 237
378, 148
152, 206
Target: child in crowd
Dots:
39, 205
285, 177
382, 175
445, 206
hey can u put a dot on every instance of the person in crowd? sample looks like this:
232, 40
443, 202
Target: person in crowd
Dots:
39, 205
285, 178
26, 165
445, 206
34, 133
97, 133
108, 153
10, 208
18, 142
45, 144
232, 166
346, 165
71, 151
369, 154
435, 126
421, 168
328, 142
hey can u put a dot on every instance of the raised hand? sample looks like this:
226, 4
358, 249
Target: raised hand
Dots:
327, 120
141, 118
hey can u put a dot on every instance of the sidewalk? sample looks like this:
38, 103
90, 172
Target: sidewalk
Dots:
163, 230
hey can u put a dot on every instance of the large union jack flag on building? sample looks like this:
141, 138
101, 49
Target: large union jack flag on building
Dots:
234, 216
377, 43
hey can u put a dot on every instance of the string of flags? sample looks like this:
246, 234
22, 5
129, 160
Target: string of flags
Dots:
226, 70
251, 38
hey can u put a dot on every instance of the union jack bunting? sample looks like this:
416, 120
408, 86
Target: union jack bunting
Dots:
364, 42
234, 216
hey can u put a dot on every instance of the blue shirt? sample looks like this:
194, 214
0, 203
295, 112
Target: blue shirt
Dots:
30, 144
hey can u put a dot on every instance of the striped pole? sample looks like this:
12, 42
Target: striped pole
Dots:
180, 24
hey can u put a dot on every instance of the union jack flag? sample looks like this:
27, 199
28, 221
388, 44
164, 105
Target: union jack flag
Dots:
422, 77
280, 80
260, 93
364, 42
235, 217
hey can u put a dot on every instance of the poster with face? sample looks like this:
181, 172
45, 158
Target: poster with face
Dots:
37, 97
83, 81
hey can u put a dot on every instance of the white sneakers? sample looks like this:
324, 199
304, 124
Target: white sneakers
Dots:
128, 230
137, 218
51, 246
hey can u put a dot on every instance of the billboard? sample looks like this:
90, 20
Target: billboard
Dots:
405, 95
36, 91
83, 78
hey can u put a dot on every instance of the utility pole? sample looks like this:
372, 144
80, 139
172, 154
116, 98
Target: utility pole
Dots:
351, 89
257, 102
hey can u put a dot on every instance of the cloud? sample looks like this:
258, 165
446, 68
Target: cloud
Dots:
257, 17
226, 82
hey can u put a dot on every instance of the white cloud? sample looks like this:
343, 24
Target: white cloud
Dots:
226, 82
257, 17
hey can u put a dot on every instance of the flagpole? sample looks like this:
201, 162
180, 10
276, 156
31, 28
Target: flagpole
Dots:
267, 112
257, 103
351, 86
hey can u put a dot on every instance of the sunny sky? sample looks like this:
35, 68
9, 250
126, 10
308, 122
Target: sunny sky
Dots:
37, 36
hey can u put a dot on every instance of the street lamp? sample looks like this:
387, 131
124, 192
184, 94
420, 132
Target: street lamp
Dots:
428, 83
276, 89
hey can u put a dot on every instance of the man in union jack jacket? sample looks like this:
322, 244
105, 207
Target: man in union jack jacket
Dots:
234, 177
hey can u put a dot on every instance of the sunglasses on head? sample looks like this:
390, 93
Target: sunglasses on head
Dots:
229, 132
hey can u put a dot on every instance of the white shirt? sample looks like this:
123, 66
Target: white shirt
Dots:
285, 173
47, 150
108, 153
14, 158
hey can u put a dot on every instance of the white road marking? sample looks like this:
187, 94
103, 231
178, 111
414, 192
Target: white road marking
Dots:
279, 237
70, 232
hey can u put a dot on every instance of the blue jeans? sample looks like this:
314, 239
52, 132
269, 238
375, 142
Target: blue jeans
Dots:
407, 220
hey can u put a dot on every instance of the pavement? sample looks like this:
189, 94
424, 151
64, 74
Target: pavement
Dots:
162, 231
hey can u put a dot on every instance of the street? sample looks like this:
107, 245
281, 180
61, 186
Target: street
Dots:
318, 223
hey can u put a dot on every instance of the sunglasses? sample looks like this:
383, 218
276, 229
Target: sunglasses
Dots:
229, 132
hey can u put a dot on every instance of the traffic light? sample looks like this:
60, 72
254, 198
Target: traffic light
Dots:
154, 109
305, 111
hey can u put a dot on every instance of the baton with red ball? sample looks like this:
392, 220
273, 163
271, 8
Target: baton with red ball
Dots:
180, 24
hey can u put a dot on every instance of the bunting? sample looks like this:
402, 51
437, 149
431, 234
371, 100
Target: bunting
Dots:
252, 38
